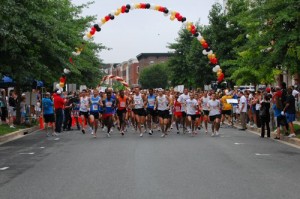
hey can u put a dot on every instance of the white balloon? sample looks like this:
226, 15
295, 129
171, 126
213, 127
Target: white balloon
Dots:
132, 6
200, 37
152, 7
210, 52
185, 23
204, 52
66, 71
217, 67
58, 86
85, 38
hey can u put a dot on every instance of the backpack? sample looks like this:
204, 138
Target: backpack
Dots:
263, 111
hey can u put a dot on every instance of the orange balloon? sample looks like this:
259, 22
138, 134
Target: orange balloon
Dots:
172, 18
213, 56
89, 35
220, 71
202, 41
209, 56
103, 20
61, 84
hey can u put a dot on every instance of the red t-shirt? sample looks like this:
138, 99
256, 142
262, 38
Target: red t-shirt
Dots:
58, 101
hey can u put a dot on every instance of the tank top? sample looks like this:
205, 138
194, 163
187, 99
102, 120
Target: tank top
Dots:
95, 104
84, 102
122, 103
151, 101
204, 103
177, 107
138, 101
162, 103
109, 106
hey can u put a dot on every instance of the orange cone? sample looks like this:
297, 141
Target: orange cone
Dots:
42, 126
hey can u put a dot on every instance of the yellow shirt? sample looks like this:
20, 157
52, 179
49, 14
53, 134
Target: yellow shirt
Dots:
225, 105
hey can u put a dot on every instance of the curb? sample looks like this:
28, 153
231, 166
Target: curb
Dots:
18, 134
283, 139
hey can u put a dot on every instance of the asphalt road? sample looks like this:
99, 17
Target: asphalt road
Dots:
235, 165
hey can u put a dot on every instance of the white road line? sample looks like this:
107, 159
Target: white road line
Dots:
258, 154
42, 147
56, 139
3, 168
31, 153
238, 143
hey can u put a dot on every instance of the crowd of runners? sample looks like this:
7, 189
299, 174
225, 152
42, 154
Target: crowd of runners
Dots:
153, 110
145, 111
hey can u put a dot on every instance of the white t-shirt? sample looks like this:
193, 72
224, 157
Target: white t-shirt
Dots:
214, 107
243, 100
84, 104
182, 99
162, 103
138, 101
295, 92
191, 106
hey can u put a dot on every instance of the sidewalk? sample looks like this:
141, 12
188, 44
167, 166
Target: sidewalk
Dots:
17, 134
283, 139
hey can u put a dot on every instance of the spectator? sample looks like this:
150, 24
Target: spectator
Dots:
243, 110
12, 105
3, 105
280, 118
48, 113
67, 113
58, 106
23, 108
264, 114
290, 110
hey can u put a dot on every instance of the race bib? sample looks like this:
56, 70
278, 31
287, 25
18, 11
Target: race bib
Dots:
95, 107
123, 104
108, 104
151, 103
136, 102
177, 109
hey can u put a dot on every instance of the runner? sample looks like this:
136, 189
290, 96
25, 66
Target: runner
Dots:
226, 107
96, 103
151, 113
84, 110
182, 99
139, 103
191, 107
177, 112
122, 104
214, 114
204, 105
162, 102
109, 105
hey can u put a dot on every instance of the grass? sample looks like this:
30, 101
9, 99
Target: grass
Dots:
297, 130
5, 129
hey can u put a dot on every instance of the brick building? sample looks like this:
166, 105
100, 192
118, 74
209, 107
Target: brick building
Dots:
147, 59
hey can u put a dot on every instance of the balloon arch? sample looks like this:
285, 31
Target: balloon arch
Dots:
174, 15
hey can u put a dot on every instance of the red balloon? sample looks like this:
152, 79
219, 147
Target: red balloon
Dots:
123, 9
177, 15
179, 18
93, 28
161, 9
205, 45
62, 80
193, 31
92, 32
214, 60
107, 18
143, 5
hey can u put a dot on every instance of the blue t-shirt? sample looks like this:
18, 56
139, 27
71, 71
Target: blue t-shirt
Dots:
151, 101
109, 106
48, 106
277, 112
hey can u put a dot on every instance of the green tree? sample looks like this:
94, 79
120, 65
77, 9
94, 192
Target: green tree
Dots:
37, 38
154, 76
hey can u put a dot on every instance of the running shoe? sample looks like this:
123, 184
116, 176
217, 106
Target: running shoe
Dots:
163, 135
217, 133
292, 135
108, 135
48, 135
122, 133
141, 135
83, 131
213, 135
54, 134
150, 132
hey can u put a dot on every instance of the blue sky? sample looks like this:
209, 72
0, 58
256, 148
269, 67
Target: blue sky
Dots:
142, 31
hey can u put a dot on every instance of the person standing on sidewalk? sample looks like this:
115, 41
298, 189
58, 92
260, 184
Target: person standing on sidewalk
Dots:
67, 113
49, 118
3, 106
264, 114
12, 105
58, 106
243, 110
290, 111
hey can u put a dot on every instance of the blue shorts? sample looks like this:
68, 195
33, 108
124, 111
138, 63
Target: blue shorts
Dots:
290, 117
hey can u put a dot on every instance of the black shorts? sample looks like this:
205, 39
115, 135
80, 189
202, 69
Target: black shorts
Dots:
198, 115
95, 114
85, 114
183, 114
121, 112
226, 112
163, 114
49, 118
140, 112
206, 112
213, 117
152, 112
281, 120
192, 116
